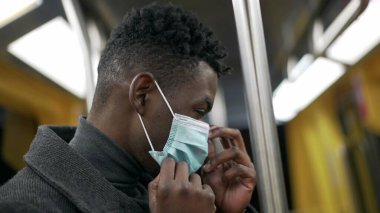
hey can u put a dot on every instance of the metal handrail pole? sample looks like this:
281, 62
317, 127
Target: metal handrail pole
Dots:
258, 145
76, 20
265, 95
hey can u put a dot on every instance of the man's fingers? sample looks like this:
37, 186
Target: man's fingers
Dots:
243, 172
195, 181
167, 171
211, 149
182, 171
209, 191
153, 185
231, 154
228, 133
179, 190
226, 142
152, 191
224, 132
212, 127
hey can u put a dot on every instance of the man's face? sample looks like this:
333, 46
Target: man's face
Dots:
193, 98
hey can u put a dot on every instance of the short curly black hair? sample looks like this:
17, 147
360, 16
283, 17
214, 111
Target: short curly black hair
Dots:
166, 40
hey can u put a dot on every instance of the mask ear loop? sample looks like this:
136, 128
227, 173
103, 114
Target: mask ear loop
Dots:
146, 133
141, 121
163, 96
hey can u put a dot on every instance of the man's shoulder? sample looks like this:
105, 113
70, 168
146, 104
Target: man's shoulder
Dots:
56, 177
17, 206
28, 192
24, 180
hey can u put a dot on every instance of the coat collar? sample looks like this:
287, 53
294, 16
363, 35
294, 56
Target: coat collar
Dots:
116, 165
58, 164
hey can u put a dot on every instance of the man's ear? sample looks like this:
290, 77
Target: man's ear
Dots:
141, 85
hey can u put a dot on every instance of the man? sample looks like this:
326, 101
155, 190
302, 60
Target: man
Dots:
143, 139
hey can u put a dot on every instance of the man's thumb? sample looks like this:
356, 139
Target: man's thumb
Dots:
152, 187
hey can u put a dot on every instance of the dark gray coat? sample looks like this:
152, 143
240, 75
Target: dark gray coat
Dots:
57, 179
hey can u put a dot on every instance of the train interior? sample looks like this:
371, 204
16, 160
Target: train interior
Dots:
324, 69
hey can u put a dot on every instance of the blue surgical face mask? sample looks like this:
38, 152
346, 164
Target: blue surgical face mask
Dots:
187, 140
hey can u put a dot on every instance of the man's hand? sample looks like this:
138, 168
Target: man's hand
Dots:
230, 173
174, 191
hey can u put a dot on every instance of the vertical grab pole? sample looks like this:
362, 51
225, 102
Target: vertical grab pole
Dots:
259, 104
76, 20
265, 94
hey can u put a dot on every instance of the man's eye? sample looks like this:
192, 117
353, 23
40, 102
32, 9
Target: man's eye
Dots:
201, 112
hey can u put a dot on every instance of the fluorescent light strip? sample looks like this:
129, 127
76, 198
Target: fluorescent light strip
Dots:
13, 9
300, 67
359, 38
283, 104
289, 98
344, 16
316, 79
54, 51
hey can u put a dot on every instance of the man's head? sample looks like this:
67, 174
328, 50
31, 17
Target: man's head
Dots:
162, 43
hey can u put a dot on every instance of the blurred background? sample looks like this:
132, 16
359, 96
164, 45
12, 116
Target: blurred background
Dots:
324, 62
